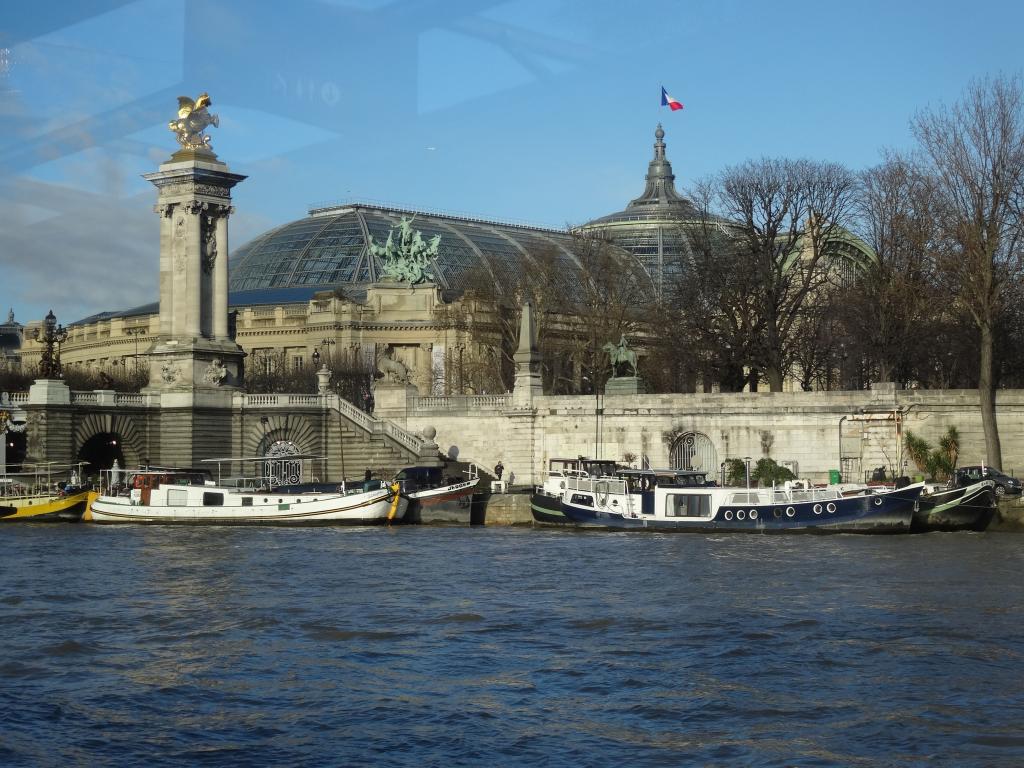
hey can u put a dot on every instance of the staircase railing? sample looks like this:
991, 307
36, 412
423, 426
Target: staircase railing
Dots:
369, 424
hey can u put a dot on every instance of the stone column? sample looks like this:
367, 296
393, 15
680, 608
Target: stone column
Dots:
194, 353
166, 213
220, 276
194, 272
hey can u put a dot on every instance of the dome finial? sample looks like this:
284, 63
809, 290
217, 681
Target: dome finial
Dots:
659, 134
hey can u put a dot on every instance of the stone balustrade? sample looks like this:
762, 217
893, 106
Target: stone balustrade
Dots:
460, 402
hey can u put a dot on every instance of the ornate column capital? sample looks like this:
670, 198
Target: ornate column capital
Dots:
195, 207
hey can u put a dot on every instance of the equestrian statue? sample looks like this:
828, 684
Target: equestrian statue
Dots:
620, 354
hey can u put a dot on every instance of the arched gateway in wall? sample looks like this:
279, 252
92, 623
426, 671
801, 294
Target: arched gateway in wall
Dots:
96, 433
694, 450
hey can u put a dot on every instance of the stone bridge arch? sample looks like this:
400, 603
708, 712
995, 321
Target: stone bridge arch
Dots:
129, 429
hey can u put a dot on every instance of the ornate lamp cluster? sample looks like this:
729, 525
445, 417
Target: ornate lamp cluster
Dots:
52, 336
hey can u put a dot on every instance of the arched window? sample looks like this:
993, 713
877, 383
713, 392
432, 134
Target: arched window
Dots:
694, 451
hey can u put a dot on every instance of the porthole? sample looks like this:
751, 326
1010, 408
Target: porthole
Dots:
740, 514
790, 512
817, 509
264, 501
878, 502
831, 508
280, 501
777, 512
753, 514
728, 514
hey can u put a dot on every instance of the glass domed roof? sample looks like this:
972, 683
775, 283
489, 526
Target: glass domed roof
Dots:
328, 249
653, 227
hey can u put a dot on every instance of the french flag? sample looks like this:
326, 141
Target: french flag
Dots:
668, 101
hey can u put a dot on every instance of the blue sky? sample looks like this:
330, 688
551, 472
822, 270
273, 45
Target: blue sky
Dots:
534, 110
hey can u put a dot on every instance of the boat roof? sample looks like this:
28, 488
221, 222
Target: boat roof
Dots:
653, 472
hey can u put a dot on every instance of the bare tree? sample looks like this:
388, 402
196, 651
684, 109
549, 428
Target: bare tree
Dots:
783, 218
606, 301
889, 302
976, 151
578, 307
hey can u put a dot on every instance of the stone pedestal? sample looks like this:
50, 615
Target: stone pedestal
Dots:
323, 380
186, 365
528, 384
625, 385
430, 454
49, 392
391, 400
48, 415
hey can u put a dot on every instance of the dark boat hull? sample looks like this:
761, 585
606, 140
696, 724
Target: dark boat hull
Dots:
547, 510
970, 508
456, 508
881, 513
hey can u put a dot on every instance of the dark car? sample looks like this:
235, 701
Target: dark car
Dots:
1005, 485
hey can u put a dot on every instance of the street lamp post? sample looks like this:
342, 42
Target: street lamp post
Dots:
597, 415
326, 344
135, 332
52, 337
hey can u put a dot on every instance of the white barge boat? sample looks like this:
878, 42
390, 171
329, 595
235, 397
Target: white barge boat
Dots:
157, 497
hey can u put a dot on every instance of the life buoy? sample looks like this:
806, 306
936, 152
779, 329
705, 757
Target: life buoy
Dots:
138, 482
645, 483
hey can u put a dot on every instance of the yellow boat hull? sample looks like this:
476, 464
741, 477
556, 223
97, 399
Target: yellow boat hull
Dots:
38, 508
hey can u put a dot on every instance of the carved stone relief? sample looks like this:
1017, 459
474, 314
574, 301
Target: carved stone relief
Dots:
180, 233
208, 243
215, 372
169, 373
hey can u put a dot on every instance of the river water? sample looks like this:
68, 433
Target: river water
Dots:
426, 646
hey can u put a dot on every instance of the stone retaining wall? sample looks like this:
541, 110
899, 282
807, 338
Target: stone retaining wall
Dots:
801, 427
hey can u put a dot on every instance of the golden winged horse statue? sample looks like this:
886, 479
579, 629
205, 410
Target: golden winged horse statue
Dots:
193, 118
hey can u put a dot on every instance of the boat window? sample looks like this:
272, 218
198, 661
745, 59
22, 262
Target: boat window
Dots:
213, 499
688, 505
177, 497
582, 499
247, 501
747, 497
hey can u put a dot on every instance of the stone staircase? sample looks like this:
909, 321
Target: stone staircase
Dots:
369, 443
361, 451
